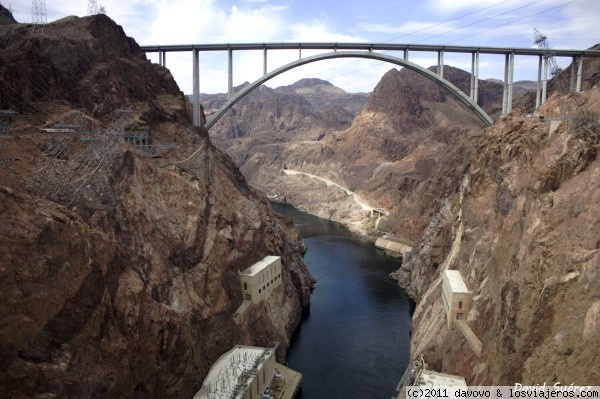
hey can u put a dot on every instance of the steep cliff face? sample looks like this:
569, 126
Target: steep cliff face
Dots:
129, 292
524, 233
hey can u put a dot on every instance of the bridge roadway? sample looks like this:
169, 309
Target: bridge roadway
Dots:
508, 52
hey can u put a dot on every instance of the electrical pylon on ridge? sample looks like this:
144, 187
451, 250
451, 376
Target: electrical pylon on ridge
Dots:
39, 17
92, 7
541, 41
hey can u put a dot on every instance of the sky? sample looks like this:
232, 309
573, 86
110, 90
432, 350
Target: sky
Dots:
568, 24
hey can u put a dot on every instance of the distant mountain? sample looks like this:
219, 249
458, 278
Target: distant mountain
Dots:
6, 17
306, 110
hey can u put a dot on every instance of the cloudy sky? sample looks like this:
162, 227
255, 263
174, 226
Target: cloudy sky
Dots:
567, 23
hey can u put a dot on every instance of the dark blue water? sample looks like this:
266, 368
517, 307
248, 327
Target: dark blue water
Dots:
354, 340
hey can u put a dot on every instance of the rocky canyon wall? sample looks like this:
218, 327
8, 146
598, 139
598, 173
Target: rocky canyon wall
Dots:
523, 231
128, 290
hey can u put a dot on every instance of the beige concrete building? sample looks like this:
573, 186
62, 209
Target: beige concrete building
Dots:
430, 378
456, 296
260, 279
417, 375
248, 372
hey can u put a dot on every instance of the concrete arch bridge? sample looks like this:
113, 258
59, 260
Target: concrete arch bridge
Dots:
375, 51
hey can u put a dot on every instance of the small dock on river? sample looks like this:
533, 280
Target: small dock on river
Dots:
396, 245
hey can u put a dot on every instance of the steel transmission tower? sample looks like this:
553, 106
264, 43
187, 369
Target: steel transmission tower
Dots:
92, 7
39, 17
566, 112
541, 41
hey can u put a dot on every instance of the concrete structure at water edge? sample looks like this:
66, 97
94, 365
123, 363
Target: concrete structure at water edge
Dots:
258, 281
248, 372
394, 245
417, 375
456, 296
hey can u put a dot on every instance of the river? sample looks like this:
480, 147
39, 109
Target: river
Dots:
353, 342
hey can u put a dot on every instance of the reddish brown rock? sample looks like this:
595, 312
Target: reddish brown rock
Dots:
129, 292
523, 231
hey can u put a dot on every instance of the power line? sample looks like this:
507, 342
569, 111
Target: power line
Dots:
481, 20
440, 34
464, 37
512, 22
450, 20
89, 158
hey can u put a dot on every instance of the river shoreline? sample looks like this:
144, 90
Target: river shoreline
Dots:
354, 226
354, 340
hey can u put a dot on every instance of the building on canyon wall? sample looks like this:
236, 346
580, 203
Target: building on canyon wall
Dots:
456, 296
259, 281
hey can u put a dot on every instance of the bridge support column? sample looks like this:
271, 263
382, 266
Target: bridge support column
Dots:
505, 88
579, 74
230, 73
265, 61
508, 83
573, 80
545, 81
196, 119
538, 94
475, 76
405, 54
511, 74
162, 58
440, 69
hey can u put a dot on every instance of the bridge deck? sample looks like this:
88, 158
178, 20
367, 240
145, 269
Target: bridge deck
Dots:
369, 47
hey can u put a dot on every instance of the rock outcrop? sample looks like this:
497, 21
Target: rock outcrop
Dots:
130, 290
523, 231
6, 17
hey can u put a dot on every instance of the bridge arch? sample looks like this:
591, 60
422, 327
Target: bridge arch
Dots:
472, 105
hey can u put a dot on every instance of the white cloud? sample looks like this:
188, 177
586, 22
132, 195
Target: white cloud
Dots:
318, 31
464, 22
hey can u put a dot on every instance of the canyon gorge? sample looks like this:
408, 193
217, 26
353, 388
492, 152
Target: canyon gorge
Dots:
123, 280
